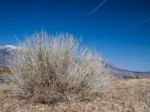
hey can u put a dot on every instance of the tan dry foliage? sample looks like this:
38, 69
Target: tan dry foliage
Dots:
50, 69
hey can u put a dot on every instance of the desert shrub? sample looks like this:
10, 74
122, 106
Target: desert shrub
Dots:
49, 68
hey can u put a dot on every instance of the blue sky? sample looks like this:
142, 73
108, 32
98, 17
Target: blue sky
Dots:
118, 29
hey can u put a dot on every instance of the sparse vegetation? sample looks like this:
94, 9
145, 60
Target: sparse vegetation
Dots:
123, 96
55, 70
49, 69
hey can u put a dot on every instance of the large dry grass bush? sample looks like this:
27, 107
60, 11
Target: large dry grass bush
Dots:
49, 69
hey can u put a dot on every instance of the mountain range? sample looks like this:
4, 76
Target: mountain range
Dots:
7, 56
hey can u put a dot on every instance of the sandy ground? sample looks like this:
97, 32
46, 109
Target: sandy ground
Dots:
123, 96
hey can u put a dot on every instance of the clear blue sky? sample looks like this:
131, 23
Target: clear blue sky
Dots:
118, 29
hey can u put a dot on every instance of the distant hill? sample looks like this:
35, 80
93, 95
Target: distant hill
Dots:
6, 55
125, 74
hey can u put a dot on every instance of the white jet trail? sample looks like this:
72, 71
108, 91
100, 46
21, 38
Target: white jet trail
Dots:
99, 6
147, 20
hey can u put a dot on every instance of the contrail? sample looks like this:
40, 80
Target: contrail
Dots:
135, 25
100, 5
124, 30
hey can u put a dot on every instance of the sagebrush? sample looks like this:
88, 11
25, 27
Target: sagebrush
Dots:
49, 69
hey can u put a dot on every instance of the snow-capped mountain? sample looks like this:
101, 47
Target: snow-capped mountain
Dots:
6, 55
